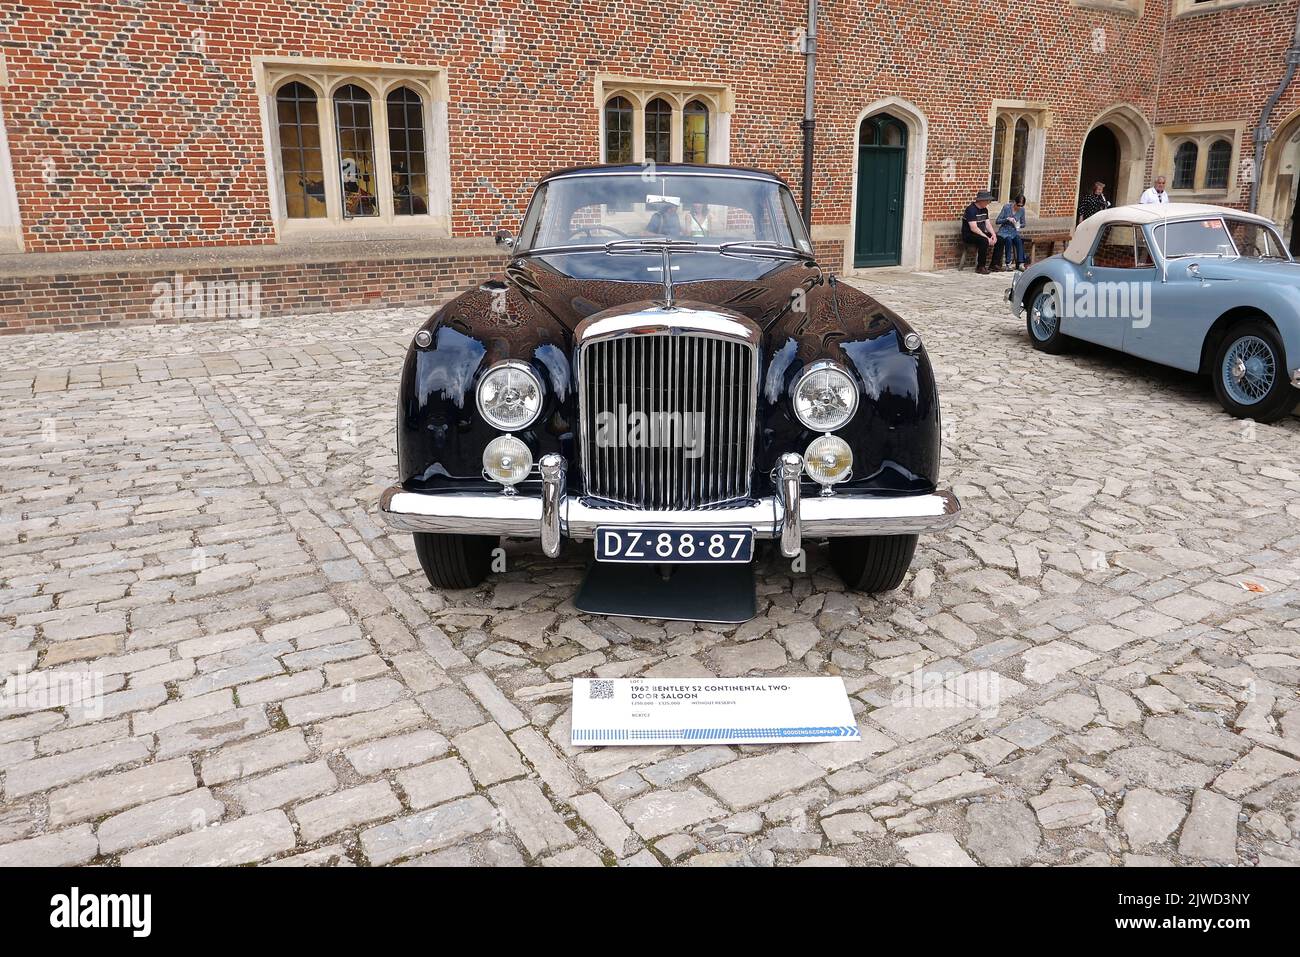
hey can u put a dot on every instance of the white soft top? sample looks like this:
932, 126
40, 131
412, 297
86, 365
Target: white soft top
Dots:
1141, 214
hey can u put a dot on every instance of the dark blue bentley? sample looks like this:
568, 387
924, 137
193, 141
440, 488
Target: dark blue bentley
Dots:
664, 370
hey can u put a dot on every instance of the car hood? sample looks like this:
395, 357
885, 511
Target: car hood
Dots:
1252, 270
573, 286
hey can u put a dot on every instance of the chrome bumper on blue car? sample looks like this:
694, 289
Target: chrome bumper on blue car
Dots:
555, 515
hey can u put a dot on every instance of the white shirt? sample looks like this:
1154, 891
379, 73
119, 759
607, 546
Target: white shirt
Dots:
1151, 196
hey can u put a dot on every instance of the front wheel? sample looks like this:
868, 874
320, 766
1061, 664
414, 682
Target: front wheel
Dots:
1250, 375
454, 561
872, 563
1043, 321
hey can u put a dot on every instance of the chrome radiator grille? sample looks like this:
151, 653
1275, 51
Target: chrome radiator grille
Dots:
667, 420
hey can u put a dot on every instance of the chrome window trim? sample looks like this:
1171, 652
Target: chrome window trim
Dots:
668, 170
795, 223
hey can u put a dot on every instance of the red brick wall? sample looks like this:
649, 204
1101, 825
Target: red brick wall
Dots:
175, 157
1223, 65
49, 303
182, 164
124, 137
944, 59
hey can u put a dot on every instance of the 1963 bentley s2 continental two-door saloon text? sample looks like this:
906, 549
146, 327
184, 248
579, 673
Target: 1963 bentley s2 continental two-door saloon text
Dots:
664, 370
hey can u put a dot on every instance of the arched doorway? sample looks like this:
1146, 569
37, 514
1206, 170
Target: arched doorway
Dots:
882, 180
1115, 152
1100, 163
1279, 182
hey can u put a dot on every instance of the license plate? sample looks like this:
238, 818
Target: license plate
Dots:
674, 545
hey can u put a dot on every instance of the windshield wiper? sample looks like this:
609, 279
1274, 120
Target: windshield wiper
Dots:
762, 248
651, 245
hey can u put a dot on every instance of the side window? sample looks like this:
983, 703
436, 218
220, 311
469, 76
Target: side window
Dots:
1117, 247
1254, 240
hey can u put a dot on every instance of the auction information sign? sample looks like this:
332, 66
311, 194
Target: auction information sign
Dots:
615, 711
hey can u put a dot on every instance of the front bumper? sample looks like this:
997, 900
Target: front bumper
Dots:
789, 516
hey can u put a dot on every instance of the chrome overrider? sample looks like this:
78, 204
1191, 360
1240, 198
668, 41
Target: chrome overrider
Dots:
555, 515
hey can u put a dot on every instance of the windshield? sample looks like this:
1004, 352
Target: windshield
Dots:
708, 209
1197, 237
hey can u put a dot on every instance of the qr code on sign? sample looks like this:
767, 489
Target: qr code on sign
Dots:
602, 689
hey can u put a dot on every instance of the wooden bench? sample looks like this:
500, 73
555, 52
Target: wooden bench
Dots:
1045, 237
1033, 239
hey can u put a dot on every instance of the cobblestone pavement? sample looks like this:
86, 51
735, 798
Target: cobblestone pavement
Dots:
280, 685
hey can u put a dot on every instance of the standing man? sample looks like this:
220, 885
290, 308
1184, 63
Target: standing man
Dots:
976, 232
1094, 202
1156, 194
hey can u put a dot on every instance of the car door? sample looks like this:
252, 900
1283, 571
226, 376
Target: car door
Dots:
1183, 304
1110, 293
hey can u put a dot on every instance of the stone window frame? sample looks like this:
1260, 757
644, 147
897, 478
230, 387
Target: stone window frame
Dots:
1038, 116
1127, 8
1202, 136
11, 224
638, 91
324, 76
1192, 8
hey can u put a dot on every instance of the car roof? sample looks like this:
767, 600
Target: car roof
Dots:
623, 169
1144, 214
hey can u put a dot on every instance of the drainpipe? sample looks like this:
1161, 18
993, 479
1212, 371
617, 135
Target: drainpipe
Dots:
810, 68
1263, 133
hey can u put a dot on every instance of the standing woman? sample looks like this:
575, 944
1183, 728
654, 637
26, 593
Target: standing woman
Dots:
1011, 244
1093, 203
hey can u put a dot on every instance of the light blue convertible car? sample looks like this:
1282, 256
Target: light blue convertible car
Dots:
1201, 288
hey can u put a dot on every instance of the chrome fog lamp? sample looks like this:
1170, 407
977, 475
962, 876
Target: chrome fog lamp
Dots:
510, 396
825, 397
828, 461
507, 460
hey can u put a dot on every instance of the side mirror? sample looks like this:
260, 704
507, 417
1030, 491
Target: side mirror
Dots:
504, 239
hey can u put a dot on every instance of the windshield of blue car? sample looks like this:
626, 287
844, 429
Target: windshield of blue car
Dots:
1195, 237
708, 209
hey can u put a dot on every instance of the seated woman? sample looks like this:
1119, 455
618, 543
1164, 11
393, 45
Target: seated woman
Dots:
1011, 244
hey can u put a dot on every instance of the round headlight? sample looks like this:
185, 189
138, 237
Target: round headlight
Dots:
825, 397
510, 396
507, 460
828, 460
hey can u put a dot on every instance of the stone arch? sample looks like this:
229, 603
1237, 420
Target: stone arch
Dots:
1279, 180
1134, 135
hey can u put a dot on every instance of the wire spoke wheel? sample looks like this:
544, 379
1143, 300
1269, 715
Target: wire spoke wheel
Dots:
1249, 370
1044, 316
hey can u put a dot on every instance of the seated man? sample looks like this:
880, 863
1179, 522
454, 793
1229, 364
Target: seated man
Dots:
665, 221
976, 232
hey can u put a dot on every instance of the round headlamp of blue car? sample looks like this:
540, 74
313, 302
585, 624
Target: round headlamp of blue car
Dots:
510, 396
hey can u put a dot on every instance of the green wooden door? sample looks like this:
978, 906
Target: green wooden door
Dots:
882, 172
